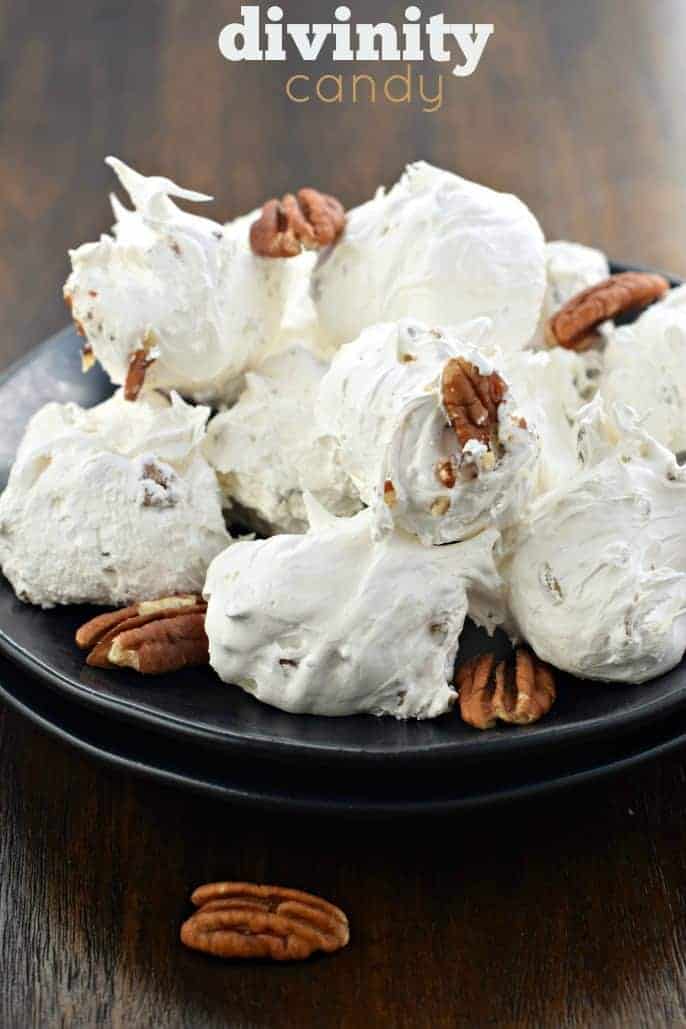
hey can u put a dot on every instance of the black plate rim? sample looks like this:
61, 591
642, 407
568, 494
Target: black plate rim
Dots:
492, 746
304, 804
500, 744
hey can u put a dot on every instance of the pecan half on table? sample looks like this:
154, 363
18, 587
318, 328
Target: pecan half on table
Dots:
574, 325
242, 920
518, 693
308, 221
152, 638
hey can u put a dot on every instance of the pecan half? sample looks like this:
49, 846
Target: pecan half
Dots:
153, 638
518, 694
309, 220
471, 401
242, 920
574, 325
135, 376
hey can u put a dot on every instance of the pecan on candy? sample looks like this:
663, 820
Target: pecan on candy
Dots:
518, 694
152, 638
87, 355
471, 401
135, 375
242, 920
309, 220
87, 358
574, 325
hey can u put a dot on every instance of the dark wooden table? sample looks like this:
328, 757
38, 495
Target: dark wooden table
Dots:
568, 912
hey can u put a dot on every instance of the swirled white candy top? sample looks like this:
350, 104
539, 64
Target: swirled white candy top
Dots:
437, 248
598, 573
645, 367
111, 506
266, 448
330, 623
184, 288
382, 400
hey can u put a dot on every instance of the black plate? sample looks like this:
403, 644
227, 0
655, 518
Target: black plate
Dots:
337, 791
195, 706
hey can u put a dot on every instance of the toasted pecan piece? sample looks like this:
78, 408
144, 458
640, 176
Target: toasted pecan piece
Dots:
309, 220
243, 920
574, 325
390, 496
518, 693
152, 638
471, 401
69, 301
135, 375
446, 473
87, 358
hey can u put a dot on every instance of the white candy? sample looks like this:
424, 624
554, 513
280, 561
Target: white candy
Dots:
300, 324
111, 506
551, 388
331, 624
437, 248
598, 573
185, 288
266, 448
382, 402
645, 367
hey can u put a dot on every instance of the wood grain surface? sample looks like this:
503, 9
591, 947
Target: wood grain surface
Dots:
564, 913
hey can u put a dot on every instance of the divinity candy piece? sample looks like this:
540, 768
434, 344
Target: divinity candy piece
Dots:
645, 367
111, 506
331, 623
598, 568
266, 449
173, 300
428, 431
551, 388
437, 248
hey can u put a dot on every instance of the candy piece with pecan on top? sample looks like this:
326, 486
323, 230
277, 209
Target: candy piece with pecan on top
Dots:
428, 429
